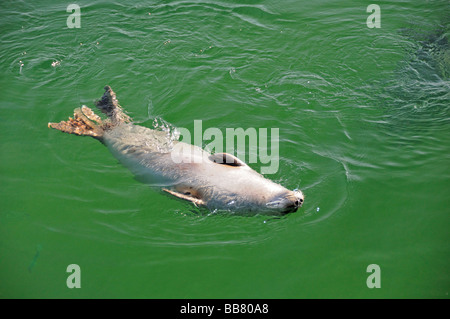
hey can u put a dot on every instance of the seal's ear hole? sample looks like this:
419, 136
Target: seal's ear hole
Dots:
226, 159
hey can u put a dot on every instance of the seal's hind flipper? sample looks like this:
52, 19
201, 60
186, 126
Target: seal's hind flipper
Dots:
80, 124
194, 200
109, 105
86, 122
91, 115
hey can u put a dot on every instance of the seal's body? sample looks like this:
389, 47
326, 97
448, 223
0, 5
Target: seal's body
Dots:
219, 181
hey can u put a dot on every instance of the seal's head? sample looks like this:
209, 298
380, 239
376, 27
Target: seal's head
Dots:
287, 202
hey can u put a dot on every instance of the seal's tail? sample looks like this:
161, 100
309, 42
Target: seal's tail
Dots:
86, 122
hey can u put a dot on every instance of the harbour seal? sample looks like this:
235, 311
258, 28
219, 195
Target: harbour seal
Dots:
218, 181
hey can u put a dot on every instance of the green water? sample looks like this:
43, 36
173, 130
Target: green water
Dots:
364, 127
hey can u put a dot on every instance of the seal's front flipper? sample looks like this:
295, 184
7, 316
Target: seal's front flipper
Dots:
80, 124
194, 200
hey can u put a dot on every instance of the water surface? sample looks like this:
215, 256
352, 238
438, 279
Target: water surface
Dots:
364, 132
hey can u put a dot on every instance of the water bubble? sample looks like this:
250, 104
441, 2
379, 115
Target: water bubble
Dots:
164, 144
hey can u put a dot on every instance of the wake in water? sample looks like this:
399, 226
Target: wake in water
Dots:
417, 99
423, 77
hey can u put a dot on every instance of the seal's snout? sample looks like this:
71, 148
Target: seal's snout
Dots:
294, 201
287, 202
299, 198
